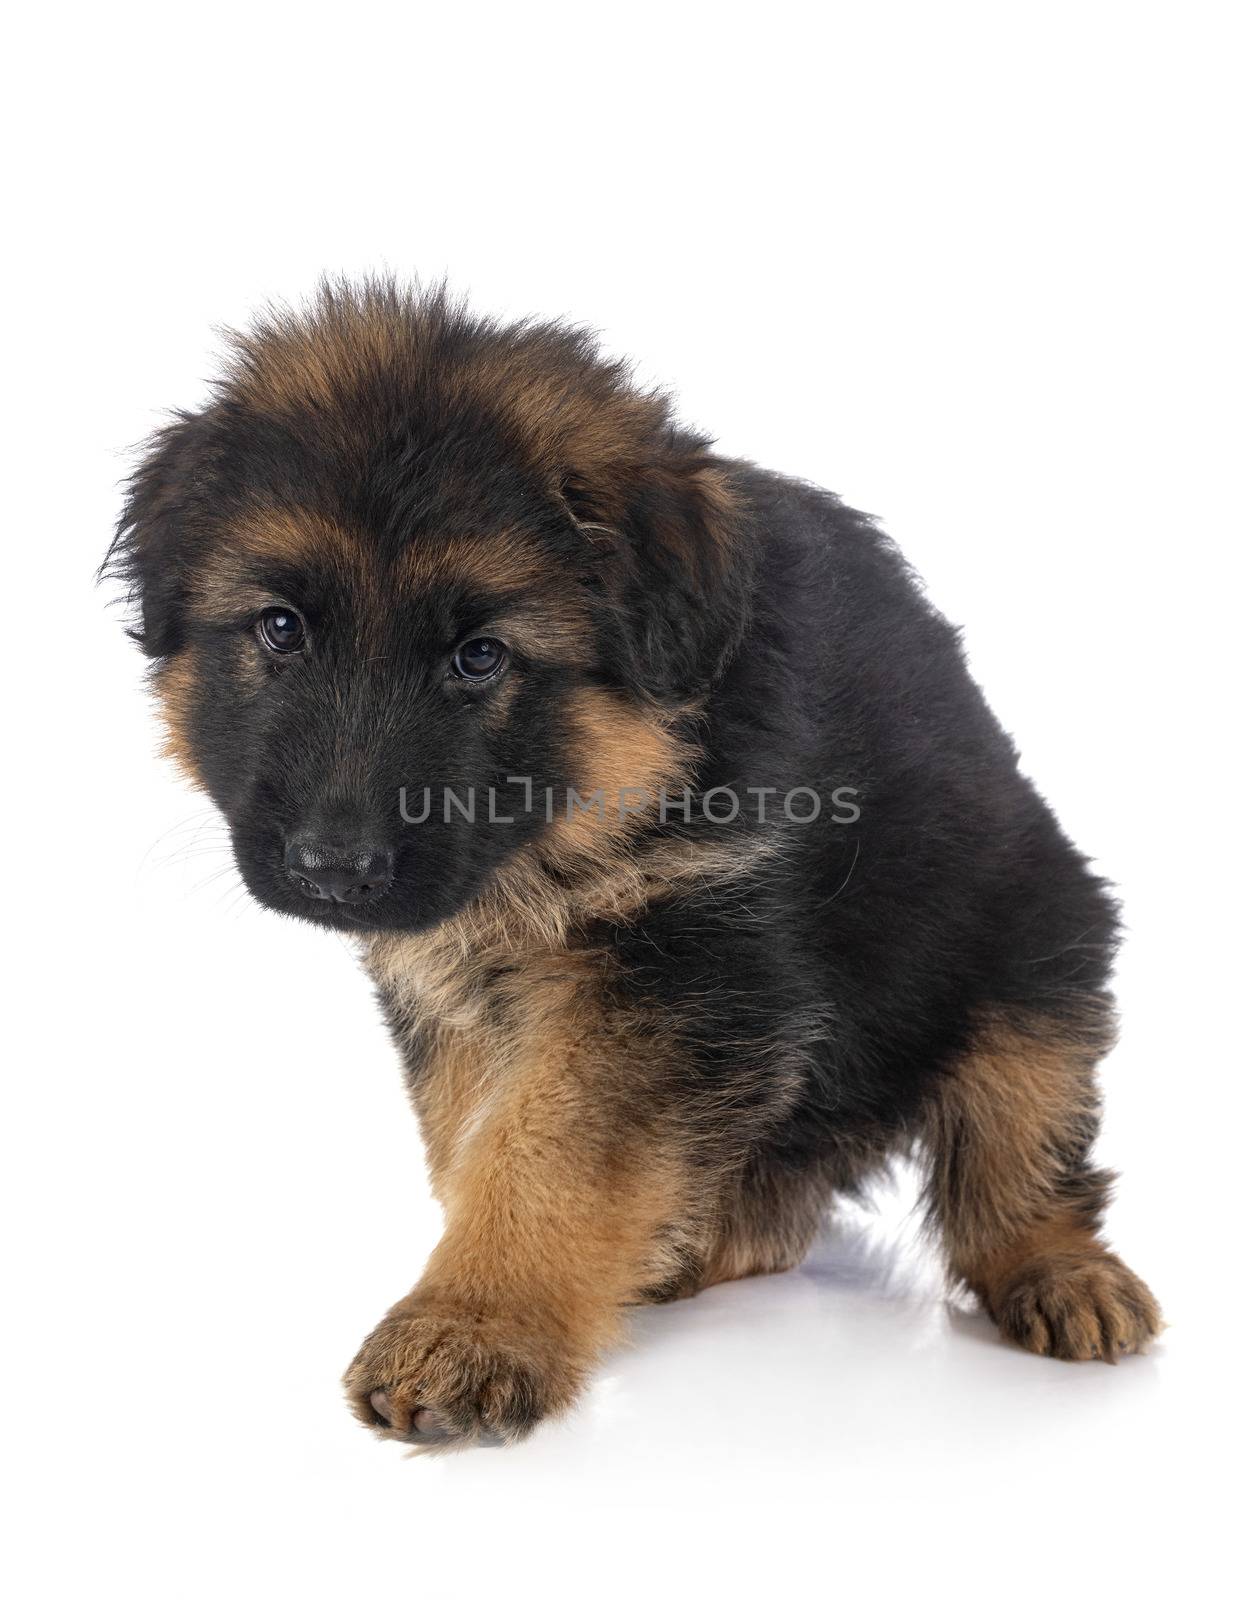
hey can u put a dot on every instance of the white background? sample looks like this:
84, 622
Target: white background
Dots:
979, 268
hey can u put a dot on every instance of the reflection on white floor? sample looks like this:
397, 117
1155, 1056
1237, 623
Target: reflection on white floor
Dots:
861, 1345
840, 1428
851, 1421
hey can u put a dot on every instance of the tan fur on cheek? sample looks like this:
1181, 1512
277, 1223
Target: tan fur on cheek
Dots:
175, 686
622, 759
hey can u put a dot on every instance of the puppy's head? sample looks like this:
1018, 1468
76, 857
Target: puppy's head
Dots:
408, 572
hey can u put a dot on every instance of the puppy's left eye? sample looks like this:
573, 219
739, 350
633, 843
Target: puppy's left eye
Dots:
281, 630
480, 659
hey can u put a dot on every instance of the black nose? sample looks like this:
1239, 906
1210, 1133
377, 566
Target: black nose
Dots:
347, 872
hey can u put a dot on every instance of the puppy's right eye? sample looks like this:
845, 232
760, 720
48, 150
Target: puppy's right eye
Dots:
281, 630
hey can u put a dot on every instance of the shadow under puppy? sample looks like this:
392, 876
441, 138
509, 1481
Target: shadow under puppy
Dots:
695, 876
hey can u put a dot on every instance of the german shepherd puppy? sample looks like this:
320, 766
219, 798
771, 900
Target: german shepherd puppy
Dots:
694, 874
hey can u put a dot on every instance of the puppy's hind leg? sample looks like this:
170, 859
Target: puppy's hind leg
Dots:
1015, 1198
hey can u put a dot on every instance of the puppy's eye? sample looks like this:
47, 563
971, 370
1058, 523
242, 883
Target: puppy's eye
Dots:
479, 659
281, 630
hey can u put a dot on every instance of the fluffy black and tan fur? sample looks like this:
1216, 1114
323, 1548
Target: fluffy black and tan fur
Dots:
645, 1049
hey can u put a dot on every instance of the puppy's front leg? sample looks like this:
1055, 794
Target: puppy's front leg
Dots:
554, 1206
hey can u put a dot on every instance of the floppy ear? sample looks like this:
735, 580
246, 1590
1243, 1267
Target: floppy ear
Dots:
677, 563
659, 509
151, 550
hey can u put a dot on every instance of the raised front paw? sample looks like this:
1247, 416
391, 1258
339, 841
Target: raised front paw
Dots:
439, 1376
1079, 1306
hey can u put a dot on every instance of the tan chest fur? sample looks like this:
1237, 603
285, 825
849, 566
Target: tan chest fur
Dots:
507, 1011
